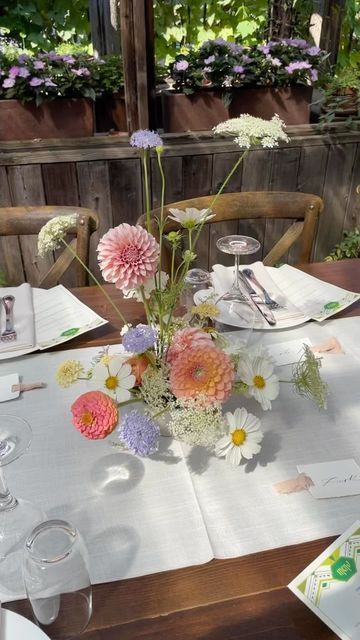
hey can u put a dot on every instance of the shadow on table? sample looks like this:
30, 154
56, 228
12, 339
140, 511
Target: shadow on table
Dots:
270, 447
116, 473
164, 453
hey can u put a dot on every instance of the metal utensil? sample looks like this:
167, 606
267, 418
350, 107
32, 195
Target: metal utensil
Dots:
272, 304
9, 333
257, 302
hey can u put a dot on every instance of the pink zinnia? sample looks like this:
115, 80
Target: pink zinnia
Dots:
206, 371
128, 256
186, 339
95, 414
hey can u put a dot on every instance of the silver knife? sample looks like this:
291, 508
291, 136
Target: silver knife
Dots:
257, 301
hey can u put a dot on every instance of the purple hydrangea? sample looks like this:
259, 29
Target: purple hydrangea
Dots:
8, 83
145, 139
297, 66
245, 59
264, 48
38, 64
139, 432
313, 51
82, 71
23, 73
14, 71
237, 68
181, 65
139, 339
36, 82
235, 48
23, 57
296, 42
209, 60
314, 75
275, 62
69, 59
49, 83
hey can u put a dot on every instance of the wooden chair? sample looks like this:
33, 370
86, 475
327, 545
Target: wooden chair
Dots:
27, 221
303, 208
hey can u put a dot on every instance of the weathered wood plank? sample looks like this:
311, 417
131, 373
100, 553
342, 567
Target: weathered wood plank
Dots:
126, 190
336, 193
26, 188
352, 215
222, 165
10, 255
256, 177
174, 188
197, 180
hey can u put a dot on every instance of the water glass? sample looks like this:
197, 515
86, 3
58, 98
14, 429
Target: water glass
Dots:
56, 578
195, 280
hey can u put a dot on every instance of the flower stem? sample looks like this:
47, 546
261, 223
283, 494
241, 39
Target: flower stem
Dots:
103, 291
237, 163
147, 192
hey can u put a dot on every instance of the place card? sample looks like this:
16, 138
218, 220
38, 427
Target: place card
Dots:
287, 352
330, 585
333, 479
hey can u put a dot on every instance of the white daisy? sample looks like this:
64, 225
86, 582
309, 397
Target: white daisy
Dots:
191, 217
257, 373
243, 439
113, 377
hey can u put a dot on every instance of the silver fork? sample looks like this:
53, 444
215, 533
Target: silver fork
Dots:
9, 333
272, 304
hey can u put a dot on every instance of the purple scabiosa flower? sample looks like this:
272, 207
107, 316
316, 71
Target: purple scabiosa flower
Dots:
314, 75
139, 433
209, 60
181, 65
39, 64
313, 51
82, 71
14, 71
238, 68
8, 83
297, 66
36, 82
139, 339
23, 73
145, 139
69, 59
264, 48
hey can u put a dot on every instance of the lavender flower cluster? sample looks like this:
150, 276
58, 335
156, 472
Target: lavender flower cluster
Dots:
139, 433
221, 64
140, 338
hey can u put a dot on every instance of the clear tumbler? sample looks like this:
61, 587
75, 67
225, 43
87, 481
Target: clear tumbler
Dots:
56, 579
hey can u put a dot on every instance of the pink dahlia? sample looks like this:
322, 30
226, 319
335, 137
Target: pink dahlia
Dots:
128, 256
204, 370
187, 339
95, 414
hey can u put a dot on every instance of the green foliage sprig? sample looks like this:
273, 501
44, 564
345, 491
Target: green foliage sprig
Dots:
349, 247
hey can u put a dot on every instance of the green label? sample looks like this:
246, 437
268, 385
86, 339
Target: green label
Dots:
343, 569
330, 306
70, 332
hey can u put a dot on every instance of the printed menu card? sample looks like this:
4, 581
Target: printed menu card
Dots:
330, 586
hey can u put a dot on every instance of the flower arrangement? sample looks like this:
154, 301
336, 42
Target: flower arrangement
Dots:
53, 75
223, 65
179, 368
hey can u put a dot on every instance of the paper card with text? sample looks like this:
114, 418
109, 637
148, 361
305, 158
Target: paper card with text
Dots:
330, 586
333, 479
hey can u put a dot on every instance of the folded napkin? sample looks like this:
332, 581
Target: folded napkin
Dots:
24, 319
286, 315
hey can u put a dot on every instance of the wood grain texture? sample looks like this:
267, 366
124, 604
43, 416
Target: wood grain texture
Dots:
239, 598
126, 190
197, 181
256, 177
10, 253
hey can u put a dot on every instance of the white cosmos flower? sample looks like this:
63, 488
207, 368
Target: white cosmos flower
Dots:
113, 377
258, 374
191, 217
149, 286
243, 439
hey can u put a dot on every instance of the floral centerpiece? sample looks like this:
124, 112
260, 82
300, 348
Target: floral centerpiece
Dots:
179, 368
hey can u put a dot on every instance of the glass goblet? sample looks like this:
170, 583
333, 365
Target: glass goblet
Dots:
235, 305
17, 517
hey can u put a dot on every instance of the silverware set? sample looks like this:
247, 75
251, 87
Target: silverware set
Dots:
8, 334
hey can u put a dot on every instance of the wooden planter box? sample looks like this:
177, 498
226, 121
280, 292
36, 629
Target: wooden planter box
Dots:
61, 118
110, 112
205, 109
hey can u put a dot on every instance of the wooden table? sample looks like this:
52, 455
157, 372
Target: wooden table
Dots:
244, 597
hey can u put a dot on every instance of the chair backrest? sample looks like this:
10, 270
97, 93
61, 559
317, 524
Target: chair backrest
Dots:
18, 222
303, 208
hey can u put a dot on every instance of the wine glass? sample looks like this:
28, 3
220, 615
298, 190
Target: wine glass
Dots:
235, 305
17, 517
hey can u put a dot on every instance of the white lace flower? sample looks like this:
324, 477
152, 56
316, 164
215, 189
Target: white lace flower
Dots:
149, 286
257, 373
243, 438
191, 217
52, 233
114, 378
249, 131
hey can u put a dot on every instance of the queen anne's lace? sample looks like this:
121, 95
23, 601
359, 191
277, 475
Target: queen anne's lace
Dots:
53, 232
249, 131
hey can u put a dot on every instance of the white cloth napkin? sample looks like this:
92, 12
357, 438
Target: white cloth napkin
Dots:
24, 319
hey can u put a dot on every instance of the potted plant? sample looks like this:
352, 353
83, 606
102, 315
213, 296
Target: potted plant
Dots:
261, 80
47, 96
341, 95
110, 110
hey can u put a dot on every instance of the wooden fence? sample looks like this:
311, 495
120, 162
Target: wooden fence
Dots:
105, 173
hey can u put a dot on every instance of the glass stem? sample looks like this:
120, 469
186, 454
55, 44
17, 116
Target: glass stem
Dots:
236, 283
7, 501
